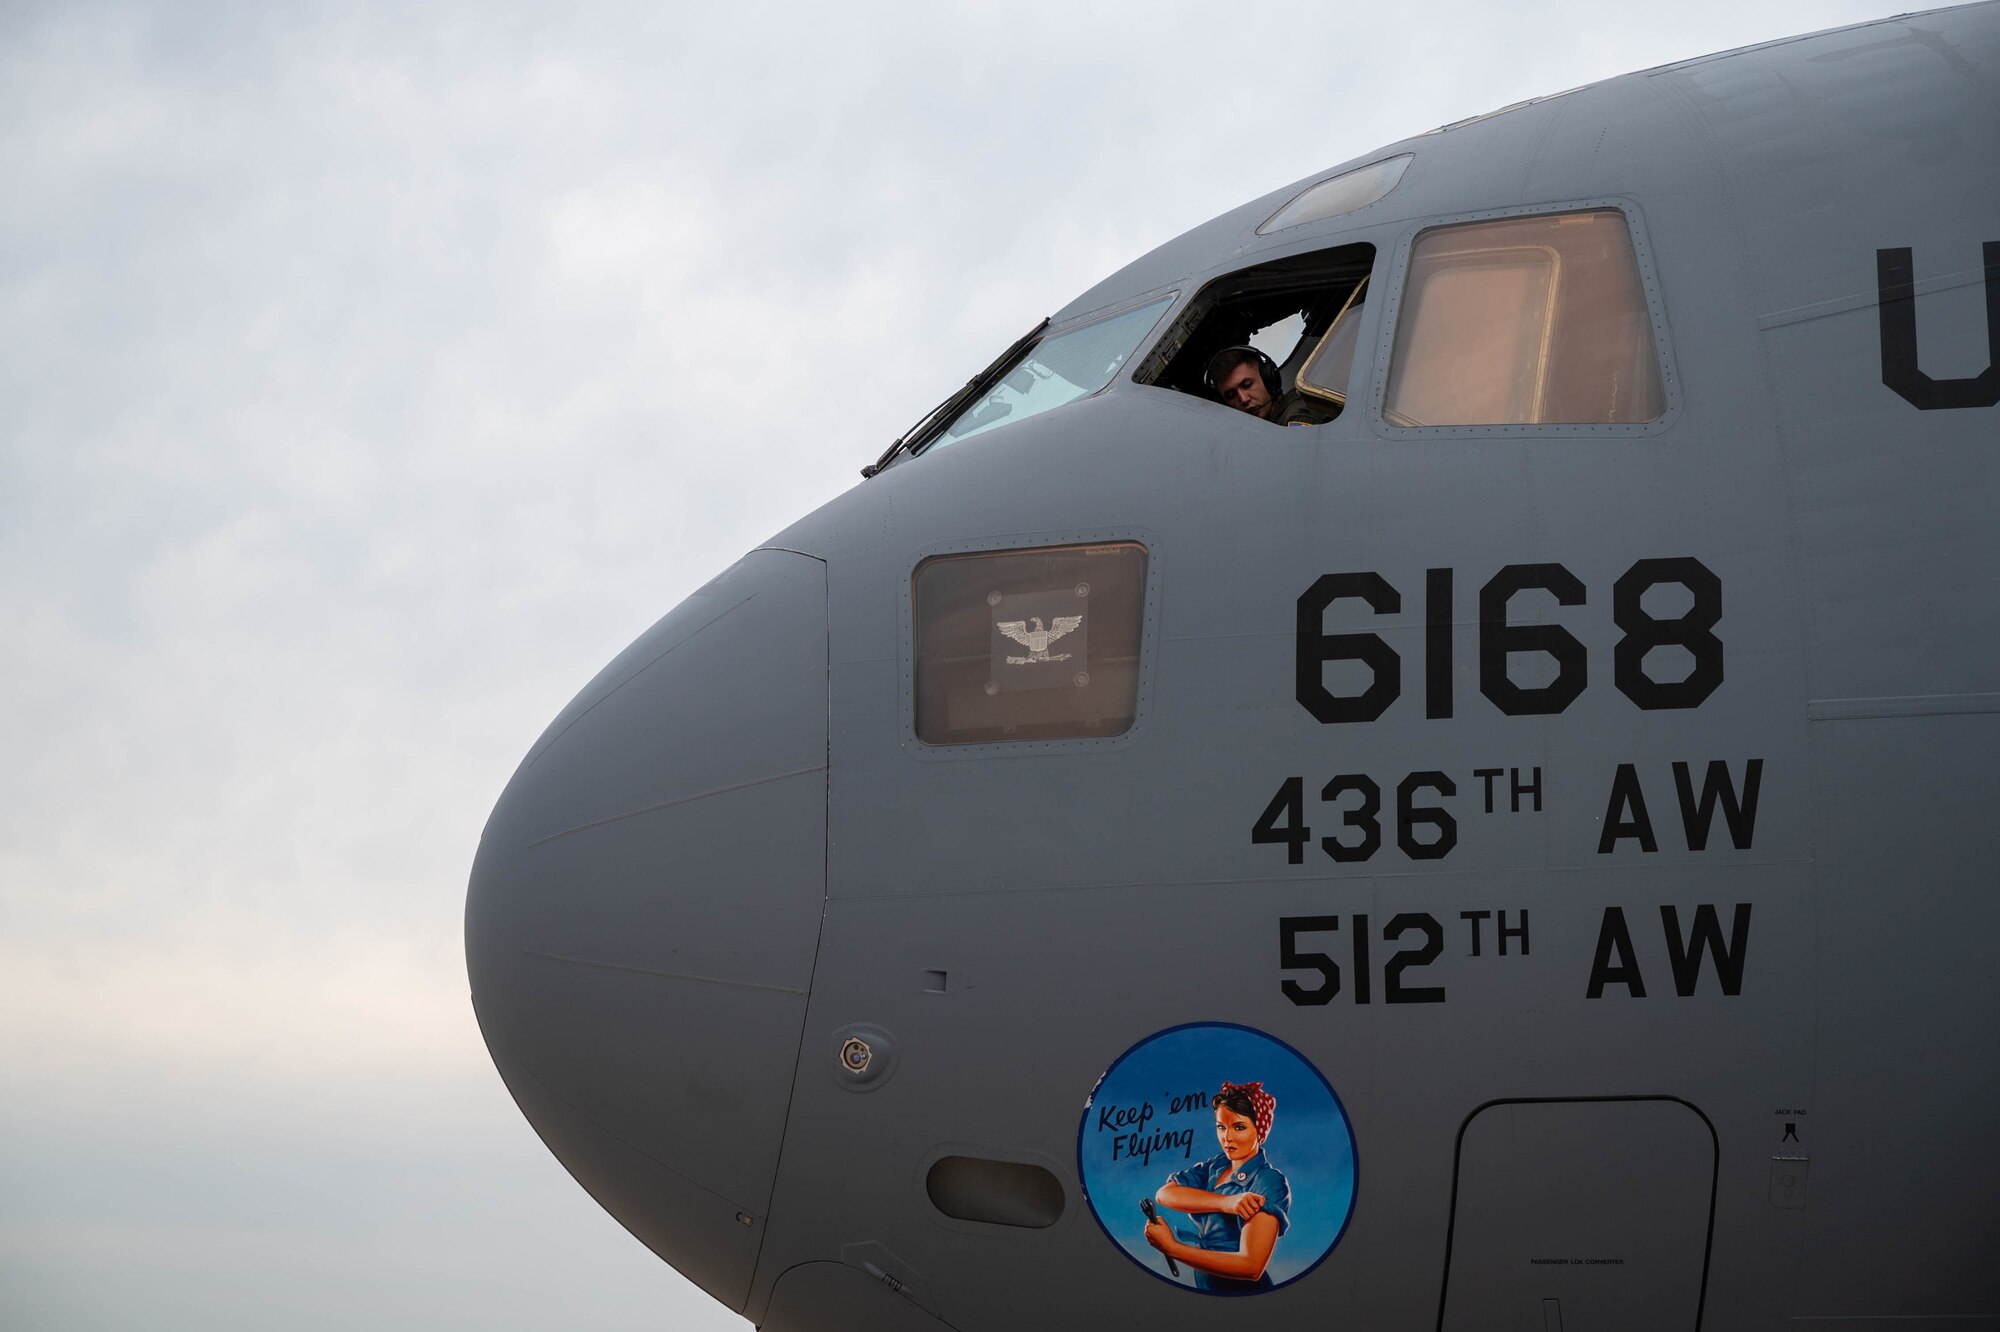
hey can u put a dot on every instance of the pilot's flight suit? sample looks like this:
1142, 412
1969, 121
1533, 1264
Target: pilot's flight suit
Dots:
1295, 408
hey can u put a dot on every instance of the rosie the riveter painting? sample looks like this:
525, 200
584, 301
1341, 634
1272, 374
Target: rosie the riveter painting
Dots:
1218, 1158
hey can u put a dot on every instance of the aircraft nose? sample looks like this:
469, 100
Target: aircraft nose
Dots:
644, 910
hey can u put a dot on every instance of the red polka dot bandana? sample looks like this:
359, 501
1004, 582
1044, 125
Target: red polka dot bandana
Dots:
1263, 1105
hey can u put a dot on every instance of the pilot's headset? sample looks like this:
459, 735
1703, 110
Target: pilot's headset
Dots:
1228, 356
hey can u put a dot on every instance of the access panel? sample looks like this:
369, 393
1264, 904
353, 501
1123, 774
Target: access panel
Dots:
1580, 1216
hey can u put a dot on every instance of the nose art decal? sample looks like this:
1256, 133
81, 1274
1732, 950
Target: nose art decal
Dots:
1218, 1158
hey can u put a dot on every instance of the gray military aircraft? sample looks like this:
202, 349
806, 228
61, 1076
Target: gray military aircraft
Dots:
1511, 847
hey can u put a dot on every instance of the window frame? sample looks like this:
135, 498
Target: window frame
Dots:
1396, 287
1149, 637
931, 433
1338, 397
1184, 321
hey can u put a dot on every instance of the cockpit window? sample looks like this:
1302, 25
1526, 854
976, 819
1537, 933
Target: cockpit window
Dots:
1527, 320
1297, 312
1342, 194
1325, 372
1057, 370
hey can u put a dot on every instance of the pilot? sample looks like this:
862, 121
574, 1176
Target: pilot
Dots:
1247, 379
1239, 1201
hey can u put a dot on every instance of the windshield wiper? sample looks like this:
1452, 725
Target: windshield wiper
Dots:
949, 408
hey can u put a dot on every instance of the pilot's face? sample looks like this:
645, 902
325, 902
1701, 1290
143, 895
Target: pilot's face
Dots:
1236, 1132
1243, 389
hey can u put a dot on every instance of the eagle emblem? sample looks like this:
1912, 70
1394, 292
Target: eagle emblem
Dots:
1038, 639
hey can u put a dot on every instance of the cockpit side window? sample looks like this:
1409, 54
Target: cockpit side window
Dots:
1326, 370
1296, 311
1525, 320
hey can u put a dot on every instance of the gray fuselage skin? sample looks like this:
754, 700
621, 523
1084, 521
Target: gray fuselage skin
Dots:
731, 851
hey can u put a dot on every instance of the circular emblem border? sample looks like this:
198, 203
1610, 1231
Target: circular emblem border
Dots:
1083, 1180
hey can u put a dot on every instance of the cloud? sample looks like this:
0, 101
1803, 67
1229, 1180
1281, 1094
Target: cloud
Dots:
376, 373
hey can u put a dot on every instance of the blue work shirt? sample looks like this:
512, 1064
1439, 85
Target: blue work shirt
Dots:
1222, 1232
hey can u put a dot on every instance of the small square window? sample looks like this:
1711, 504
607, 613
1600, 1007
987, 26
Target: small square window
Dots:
1028, 644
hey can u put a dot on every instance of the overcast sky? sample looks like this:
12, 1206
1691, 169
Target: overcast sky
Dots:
371, 375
